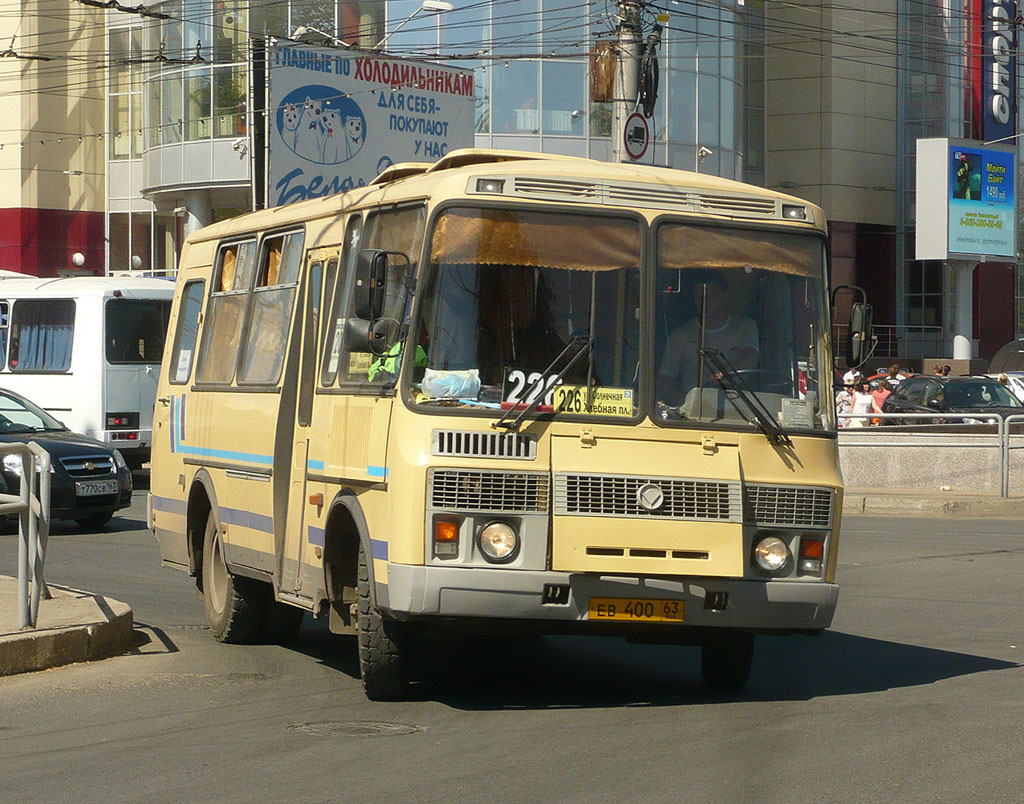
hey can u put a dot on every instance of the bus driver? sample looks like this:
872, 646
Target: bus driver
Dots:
725, 330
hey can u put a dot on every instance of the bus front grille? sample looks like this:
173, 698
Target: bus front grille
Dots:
789, 506
676, 498
462, 490
480, 444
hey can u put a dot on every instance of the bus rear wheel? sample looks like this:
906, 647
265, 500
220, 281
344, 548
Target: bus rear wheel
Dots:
725, 660
383, 645
234, 606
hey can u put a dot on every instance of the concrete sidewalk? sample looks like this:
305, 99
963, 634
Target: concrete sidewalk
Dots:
73, 626
78, 626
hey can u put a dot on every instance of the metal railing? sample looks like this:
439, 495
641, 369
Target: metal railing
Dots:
893, 340
33, 510
1002, 438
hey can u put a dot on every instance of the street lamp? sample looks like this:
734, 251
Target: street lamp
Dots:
436, 6
306, 33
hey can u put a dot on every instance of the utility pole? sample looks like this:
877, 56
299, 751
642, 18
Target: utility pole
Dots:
627, 73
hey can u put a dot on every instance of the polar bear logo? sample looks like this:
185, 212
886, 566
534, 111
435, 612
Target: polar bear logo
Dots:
332, 146
353, 135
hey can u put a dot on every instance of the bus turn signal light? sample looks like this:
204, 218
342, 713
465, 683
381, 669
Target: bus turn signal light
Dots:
446, 539
812, 551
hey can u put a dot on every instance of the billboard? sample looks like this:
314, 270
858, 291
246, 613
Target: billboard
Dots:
336, 119
999, 72
966, 201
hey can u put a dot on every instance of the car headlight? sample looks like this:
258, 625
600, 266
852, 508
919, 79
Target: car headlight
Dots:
498, 542
119, 460
771, 554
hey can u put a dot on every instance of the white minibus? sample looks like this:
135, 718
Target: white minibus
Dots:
88, 350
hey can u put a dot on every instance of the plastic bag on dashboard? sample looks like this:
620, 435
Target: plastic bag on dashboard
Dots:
451, 384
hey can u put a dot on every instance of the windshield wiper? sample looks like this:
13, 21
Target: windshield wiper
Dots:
584, 346
731, 380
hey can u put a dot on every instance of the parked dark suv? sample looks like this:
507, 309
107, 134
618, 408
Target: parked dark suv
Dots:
980, 397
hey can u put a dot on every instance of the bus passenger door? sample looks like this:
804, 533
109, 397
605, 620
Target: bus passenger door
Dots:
296, 543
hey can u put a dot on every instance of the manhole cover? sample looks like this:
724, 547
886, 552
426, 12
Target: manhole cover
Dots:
356, 728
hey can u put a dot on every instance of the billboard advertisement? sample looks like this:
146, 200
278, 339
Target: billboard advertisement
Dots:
966, 200
999, 72
336, 119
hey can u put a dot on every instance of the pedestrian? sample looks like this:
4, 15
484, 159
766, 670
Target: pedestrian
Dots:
1003, 379
878, 397
945, 370
861, 404
937, 371
852, 377
894, 377
844, 404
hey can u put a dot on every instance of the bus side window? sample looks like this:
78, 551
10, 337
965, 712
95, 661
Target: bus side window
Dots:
225, 312
188, 332
334, 323
42, 333
4, 321
395, 230
266, 336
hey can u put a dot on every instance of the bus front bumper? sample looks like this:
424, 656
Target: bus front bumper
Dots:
474, 593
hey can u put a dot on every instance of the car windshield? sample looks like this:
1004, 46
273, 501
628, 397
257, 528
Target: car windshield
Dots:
980, 395
523, 307
754, 298
17, 416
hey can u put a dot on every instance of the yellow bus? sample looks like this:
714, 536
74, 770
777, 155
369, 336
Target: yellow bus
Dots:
506, 392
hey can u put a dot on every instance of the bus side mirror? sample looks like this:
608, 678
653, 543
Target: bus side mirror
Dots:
858, 340
366, 336
371, 284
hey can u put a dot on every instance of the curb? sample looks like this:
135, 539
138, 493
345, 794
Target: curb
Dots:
98, 635
928, 504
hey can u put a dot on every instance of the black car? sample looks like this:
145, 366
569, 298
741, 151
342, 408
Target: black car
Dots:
89, 481
982, 398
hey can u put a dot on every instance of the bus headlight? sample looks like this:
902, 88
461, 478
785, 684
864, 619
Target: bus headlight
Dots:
498, 542
771, 554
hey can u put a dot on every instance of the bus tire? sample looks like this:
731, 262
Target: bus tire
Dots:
382, 645
725, 660
234, 606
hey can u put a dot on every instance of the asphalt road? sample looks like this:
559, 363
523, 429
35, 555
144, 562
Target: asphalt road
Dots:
915, 695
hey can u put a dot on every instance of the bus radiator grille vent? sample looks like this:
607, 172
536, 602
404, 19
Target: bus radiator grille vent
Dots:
478, 444
460, 490
88, 465
616, 495
747, 207
557, 187
789, 506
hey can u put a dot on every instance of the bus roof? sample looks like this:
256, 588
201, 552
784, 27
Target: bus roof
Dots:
570, 179
79, 286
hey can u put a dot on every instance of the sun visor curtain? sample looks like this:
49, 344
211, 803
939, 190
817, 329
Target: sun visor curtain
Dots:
538, 240
682, 247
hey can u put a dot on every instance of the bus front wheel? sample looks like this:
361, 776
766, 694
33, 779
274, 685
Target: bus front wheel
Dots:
382, 645
725, 660
234, 606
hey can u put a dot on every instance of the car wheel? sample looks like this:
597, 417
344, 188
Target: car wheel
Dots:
383, 646
726, 659
95, 520
234, 606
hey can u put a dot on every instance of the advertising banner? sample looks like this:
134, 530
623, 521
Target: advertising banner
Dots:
999, 73
337, 118
982, 205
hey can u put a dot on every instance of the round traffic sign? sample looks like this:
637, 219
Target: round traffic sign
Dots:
636, 136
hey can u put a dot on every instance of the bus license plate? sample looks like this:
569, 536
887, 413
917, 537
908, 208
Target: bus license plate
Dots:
93, 488
635, 609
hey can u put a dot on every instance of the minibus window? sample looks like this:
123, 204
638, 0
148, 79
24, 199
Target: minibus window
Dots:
188, 332
223, 330
136, 329
335, 322
42, 331
267, 333
4, 321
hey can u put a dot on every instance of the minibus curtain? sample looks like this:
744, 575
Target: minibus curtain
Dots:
721, 248
535, 240
42, 332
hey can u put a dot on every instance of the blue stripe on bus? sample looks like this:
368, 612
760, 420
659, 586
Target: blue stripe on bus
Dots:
377, 471
379, 548
169, 505
228, 455
316, 466
173, 399
247, 519
315, 536
181, 429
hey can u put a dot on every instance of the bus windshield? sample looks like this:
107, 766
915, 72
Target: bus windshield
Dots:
753, 302
517, 302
